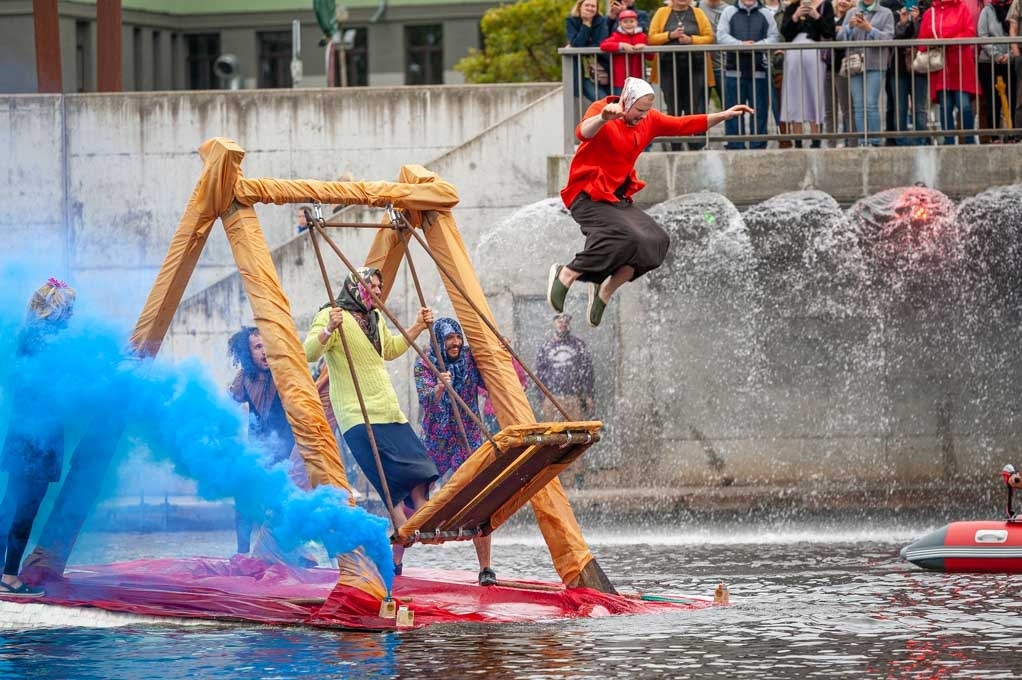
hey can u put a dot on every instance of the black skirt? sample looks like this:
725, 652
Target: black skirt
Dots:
617, 234
404, 459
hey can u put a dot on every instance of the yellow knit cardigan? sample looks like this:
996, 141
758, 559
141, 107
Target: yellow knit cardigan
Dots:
658, 36
373, 380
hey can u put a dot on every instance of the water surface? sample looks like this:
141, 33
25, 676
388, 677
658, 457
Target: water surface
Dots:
807, 603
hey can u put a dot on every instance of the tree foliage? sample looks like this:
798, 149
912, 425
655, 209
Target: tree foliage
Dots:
520, 43
650, 6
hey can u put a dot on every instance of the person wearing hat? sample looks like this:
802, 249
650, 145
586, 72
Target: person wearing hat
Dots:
622, 242
33, 452
564, 365
626, 43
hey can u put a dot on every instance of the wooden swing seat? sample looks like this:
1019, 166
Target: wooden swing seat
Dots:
489, 487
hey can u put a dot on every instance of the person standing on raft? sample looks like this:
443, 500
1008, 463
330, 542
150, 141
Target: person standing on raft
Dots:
622, 241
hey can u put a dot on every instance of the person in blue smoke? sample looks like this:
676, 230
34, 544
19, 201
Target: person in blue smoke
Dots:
33, 452
267, 425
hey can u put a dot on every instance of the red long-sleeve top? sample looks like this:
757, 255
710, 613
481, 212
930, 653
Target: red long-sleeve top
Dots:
952, 19
601, 165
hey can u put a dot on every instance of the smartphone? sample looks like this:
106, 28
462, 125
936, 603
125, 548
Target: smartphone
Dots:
807, 3
909, 4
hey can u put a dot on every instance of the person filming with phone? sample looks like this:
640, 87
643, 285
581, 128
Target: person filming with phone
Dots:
803, 90
865, 66
614, 9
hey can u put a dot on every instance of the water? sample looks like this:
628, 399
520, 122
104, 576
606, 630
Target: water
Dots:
806, 603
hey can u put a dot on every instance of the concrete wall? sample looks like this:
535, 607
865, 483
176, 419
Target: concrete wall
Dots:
748, 177
97, 183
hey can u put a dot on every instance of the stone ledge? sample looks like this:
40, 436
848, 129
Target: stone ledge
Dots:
750, 177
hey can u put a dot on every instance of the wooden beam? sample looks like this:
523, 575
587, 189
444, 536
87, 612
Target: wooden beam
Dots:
109, 59
47, 46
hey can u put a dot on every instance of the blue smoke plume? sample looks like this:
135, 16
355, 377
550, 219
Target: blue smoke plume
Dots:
85, 381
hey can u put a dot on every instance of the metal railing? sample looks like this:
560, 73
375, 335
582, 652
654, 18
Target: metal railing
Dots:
904, 102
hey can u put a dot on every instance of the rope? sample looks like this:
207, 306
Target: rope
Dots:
492, 327
317, 226
398, 219
378, 303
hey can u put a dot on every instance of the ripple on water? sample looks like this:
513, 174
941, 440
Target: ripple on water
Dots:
801, 609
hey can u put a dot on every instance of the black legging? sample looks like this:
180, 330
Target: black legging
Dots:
17, 514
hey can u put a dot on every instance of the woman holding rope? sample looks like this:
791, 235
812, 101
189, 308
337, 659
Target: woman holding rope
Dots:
407, 471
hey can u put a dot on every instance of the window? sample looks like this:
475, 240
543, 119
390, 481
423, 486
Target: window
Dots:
176, 62
274, 58
356, 56
424, 50
157, 80
136, 57
203, 49
83, 56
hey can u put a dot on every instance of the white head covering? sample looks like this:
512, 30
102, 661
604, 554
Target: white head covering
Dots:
634, 90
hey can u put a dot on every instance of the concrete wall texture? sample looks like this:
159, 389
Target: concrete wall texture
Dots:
95, 185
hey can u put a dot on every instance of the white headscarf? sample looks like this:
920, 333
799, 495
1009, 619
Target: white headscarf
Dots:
634, 90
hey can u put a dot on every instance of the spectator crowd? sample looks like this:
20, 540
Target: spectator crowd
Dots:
833, 89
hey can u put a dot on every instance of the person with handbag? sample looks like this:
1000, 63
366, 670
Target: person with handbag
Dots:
839, 104
900, 82
865, 66
952, 86
916, 86
586, 27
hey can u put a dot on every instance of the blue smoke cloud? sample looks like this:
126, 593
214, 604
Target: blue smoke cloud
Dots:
86, 381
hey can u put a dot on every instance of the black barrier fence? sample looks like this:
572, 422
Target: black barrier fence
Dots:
833, 97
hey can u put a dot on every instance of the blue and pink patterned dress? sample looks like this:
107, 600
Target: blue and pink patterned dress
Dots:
440, 433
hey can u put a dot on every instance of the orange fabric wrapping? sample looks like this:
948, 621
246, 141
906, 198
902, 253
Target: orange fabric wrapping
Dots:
212, 195
435, 195
358, 571
272, 314
386, 251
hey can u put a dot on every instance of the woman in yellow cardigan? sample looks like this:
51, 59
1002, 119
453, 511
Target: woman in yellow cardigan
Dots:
683, 75
408, 470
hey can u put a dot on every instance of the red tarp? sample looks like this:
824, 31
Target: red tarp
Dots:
246, 589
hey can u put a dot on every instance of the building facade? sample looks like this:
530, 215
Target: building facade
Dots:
175, 44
